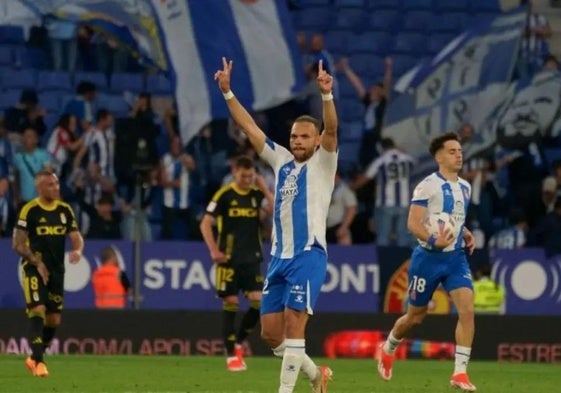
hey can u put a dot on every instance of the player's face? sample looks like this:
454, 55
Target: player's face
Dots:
450, 157
304, 139
49, 188
244, 177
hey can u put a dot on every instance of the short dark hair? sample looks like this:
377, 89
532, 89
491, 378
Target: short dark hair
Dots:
102, 114
43, 172
387, 143
438, 142
105, 199
243, 162
29, 96
85, 87
107, 253
309, 119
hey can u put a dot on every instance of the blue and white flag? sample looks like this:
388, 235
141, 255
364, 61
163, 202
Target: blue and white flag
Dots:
187, 39
468, 81
256, 34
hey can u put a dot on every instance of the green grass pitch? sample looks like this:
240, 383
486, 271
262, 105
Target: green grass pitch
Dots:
198, 374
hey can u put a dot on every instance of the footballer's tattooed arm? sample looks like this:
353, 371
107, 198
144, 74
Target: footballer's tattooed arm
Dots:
20, 245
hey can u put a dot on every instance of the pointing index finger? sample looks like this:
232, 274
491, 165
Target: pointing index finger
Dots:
320, 66
224, 63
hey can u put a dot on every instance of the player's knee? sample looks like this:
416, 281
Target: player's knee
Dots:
230, 305
272, 338
415, 319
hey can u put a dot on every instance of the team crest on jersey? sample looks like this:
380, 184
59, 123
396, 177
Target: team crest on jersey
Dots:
253, 203
289, 188
62, 218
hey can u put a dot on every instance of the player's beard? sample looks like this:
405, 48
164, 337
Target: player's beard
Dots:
304, 155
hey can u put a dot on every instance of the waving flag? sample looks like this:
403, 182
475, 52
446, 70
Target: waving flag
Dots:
187, 38
468, 81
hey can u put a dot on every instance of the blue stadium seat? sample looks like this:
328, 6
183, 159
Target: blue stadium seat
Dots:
403, 63
483, 17
492, 6
11, 34
116, 104
348, 3
416, 21
6, 55
51, 101
384, 20
54, 80
316, 19
349, 151
9, 98
448, 23
410, 5
366, 64
371, 42
97, 78
351, 109
438, 41
126, 81
410, 44
25, 57
338, 41
313, 3
383, 4
452, 5
351, 131
349, 19
23, 79
159, 84
346, 90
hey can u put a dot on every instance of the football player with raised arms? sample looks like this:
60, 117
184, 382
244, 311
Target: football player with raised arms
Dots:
439, 259
304, 182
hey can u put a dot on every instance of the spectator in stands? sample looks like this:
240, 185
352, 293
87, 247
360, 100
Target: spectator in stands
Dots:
5, 200
488, 295
319, 53
135, 204
549, 194
86, 51
556, 169
6, 152
547, 233
63, 145
81, 106
533, 47
374, 101
63, 39
112, 55
27, 163
513, 236
392, 171
342, 211
100, 143
310, 96
302, 42
171, 121
551, 63
175, 168
111, 284
25, 114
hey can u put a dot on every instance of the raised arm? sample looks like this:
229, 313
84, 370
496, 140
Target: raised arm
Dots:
388, 76
255, 135
330, 123
355, 80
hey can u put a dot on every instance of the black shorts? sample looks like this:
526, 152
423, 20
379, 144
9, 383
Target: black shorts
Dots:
37, 293
231, 279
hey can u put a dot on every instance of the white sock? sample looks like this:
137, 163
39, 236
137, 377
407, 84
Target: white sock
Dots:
391, 344
462, 359
308, 366
291, 363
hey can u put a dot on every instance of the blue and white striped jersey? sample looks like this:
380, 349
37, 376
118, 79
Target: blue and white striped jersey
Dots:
101, 146
393, 172
302, 196
176, 197
440, 195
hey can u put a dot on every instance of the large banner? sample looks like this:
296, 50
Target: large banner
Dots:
77, 281
532, 281
468, 81
187, 38
182, 275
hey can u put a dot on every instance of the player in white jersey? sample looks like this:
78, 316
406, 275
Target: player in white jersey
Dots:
439, 259
304, 181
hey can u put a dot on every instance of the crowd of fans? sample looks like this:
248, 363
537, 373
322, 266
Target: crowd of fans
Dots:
131, 176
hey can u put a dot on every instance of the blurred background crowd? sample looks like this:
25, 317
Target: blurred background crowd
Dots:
76, 100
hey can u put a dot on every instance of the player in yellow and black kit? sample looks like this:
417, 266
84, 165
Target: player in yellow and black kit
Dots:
236, 208
39, 238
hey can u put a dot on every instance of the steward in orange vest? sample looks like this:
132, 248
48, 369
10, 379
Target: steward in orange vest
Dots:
111, 285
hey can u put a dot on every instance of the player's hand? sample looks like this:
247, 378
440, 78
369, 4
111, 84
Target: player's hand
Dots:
444, 239
74, 257
223, 75
325, 81
218, 256
43, 272
470, 241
